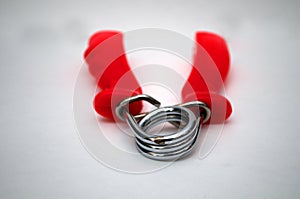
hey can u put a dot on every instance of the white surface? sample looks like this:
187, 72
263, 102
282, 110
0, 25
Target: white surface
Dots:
41, 53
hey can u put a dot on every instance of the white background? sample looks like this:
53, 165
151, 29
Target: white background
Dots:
42, 43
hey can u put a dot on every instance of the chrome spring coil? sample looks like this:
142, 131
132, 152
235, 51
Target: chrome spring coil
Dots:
165, 147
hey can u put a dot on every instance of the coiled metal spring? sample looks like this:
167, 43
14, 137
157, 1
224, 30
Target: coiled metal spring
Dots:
165, 147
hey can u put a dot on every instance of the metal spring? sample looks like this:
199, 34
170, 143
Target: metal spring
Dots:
165, 147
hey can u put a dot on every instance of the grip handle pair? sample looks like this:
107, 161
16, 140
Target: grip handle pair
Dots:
106, 60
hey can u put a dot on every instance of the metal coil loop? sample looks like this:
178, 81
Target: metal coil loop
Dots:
165, 147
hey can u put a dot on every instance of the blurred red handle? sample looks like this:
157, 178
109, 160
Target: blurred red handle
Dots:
107, 62
210, 69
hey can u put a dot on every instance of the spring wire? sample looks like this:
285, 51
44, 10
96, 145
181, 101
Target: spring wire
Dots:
165, 147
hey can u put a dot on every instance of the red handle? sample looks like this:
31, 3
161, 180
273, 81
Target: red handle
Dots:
107, 62
211, 66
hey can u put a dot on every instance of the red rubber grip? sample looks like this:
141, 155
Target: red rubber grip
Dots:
107, 62
210, 69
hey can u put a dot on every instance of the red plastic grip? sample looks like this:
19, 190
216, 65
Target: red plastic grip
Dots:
210, 69
107, 62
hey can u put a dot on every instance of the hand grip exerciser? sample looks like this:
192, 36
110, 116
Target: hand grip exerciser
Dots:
121, 96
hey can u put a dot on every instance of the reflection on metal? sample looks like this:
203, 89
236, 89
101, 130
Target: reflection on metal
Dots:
187, 118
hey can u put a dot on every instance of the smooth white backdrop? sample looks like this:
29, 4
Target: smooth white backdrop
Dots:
42, 43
